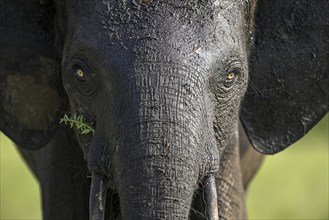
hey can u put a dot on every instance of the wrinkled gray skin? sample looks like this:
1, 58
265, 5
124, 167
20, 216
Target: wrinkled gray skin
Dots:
168, 112
162, 82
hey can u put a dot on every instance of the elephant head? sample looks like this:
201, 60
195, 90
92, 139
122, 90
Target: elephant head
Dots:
164, 83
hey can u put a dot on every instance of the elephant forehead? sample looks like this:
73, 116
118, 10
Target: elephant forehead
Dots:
198, 32
166, 20
124, 20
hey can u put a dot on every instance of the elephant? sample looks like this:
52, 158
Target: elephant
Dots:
175, 91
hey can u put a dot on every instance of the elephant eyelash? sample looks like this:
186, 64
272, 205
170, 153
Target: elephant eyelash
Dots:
234, 65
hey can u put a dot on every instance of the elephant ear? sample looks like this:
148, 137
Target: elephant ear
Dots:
30, 95
289, 67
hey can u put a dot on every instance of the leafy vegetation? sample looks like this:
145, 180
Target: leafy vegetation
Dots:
78, 122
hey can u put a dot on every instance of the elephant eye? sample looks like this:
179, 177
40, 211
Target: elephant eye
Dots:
79, 73
231, 77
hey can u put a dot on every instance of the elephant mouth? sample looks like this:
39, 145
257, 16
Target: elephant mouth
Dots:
105, 204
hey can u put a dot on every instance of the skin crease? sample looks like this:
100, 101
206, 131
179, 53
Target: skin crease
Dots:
162, 82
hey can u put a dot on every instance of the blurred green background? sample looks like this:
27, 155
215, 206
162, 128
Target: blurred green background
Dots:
290, 185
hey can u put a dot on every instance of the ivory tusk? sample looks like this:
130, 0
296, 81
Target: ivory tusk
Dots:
97, 198
210, 196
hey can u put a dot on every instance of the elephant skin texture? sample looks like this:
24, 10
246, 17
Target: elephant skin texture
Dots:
176, 93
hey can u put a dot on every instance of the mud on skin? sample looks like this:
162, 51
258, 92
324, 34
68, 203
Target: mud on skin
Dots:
165, 83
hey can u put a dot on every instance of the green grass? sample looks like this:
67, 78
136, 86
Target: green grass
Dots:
290, 185
19, 191
294, 183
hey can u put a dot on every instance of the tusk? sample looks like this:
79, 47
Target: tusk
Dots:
210, 196
97, 198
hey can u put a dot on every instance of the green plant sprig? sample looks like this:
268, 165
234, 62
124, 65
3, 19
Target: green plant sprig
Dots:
78, 122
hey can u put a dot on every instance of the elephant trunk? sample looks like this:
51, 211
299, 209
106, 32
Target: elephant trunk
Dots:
160, 149
158, 172
153, 191
171, 204
157, 164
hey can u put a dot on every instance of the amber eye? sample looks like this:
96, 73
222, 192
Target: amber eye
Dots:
230, 76
80, 73
230, 79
